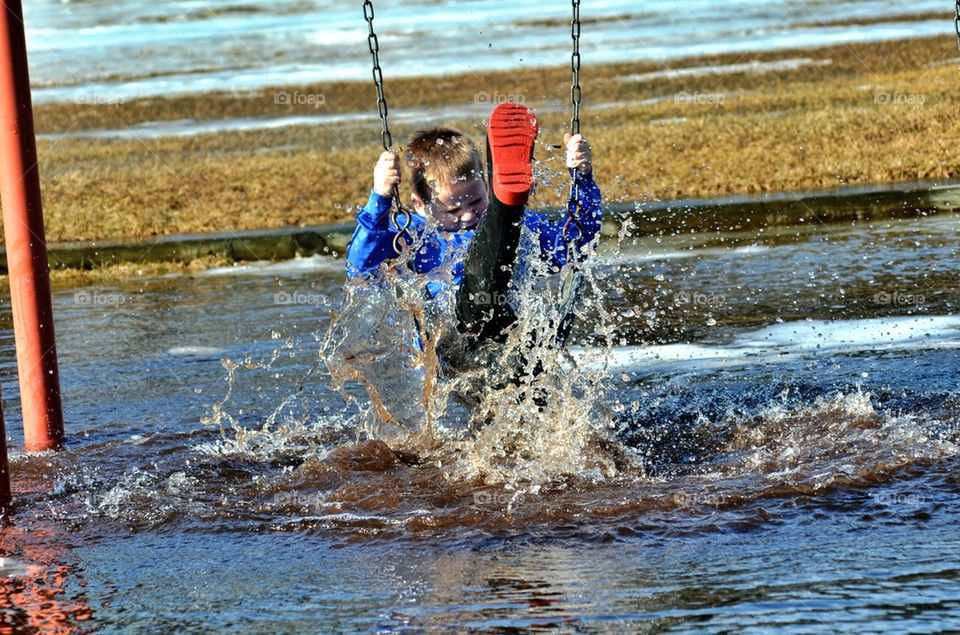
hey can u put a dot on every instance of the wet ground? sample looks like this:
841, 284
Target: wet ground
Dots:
783, 451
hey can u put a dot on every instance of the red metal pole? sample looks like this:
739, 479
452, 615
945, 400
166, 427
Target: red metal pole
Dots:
5, 498
25, 242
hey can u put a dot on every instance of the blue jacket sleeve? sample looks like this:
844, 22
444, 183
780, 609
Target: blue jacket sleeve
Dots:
372, 242
553, 246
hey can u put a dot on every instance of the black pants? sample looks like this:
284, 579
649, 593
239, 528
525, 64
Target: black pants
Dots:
482, 311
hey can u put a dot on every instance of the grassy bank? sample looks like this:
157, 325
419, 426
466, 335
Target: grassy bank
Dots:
130, 272
856, 114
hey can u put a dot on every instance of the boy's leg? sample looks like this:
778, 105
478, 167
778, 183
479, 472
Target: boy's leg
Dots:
481, 307
482, 310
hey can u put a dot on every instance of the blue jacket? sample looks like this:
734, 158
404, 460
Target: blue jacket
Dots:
372, 242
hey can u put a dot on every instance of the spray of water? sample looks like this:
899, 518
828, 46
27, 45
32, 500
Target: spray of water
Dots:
521, 411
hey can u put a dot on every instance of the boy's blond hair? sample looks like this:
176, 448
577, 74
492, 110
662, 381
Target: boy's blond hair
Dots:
438, 157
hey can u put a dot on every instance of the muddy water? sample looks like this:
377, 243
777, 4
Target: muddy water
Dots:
779, 448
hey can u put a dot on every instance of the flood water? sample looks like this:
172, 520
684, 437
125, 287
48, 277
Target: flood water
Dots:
90, 51
783, 453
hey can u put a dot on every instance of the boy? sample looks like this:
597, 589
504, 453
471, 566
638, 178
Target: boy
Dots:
456, 212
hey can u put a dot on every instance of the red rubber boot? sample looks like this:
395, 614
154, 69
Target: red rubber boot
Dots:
511, 131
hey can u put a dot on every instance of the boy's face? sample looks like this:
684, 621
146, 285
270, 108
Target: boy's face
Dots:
460, 205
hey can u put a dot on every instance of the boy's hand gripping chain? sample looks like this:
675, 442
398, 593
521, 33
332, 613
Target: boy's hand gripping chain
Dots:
398, 210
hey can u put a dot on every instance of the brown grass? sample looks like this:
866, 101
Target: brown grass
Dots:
878, 113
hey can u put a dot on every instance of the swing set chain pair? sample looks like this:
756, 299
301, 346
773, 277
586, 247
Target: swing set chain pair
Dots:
398, 211
387, 139
575, 97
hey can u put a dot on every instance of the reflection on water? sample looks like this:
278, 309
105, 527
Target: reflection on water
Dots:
35, 571
809, 576
792, 408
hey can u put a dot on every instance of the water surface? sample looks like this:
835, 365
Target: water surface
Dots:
785, 454
102, 52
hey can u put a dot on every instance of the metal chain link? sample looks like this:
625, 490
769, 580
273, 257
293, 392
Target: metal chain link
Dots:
575, 97
575, 93
956, 22
385, 136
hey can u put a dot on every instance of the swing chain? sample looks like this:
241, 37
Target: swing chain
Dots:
575, 96
575, 66
385, 136
956, 22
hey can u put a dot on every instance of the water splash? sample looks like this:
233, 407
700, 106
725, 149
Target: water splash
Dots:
517, 412
292, 429
521, 434
839, 439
